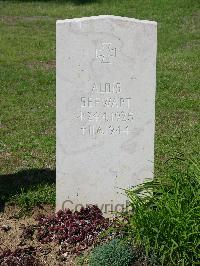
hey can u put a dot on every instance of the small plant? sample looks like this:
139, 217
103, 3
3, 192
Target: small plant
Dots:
113, 253
76, 230
19, 257
166, 217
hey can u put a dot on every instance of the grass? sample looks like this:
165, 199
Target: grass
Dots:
167, 222
28, 188
27, 73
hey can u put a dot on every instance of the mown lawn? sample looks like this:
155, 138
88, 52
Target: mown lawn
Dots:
27, 87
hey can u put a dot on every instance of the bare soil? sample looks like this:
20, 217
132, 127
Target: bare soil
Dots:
12, 226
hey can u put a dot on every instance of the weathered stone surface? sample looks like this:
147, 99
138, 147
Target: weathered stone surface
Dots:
106, 80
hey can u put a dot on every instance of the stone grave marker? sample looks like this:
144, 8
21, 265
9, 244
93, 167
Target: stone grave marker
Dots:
106, 81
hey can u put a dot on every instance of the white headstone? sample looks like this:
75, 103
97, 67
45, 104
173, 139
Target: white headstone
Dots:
106, 80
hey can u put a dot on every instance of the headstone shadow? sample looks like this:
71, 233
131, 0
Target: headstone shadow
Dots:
80, 2
11, 184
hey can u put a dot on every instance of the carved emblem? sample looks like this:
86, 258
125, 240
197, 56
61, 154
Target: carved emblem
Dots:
106, 53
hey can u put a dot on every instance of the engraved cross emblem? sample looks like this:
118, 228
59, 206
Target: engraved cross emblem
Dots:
106, 53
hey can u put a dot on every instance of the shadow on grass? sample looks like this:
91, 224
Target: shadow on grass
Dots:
12, 184
81, 2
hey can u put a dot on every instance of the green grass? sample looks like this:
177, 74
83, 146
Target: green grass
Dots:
166, 217
40, 195
28, 188
27, 73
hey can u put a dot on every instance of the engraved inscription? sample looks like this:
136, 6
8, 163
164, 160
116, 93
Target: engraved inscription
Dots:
106, 53
106, 87
109, 102
106, 111
121, 116
94, 130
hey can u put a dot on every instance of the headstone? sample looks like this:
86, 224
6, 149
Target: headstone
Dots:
106, 80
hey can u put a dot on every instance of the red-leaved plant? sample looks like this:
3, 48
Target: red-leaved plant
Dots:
77, 229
